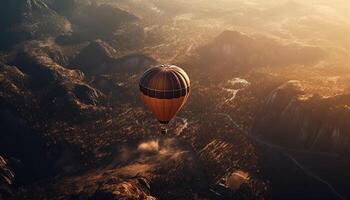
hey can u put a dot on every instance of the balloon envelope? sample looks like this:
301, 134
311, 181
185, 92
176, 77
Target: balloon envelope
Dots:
164, 89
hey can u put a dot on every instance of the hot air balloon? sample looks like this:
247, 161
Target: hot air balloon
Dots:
164, 89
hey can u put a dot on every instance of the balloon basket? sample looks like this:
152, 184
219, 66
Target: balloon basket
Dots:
164, 130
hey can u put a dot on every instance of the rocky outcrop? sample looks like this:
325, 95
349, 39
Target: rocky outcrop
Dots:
6, 180
137, 188
100, 58
133, 63
58, 91
95, 58
292, 118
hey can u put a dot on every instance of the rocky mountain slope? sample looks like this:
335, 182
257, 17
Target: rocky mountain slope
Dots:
235, 51
25, 20
98, 57
6, 180
34, 91
91, 21
293, 118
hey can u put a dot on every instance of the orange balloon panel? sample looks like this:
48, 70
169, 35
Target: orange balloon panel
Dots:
163, 109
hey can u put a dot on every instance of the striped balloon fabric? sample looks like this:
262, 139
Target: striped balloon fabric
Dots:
164, 89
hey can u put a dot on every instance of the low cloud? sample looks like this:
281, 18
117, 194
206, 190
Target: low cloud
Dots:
149, 146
